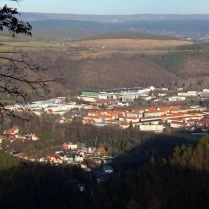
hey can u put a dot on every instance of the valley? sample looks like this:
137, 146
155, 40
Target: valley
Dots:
125, 126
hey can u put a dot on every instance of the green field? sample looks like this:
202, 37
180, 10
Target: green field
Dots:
30, 46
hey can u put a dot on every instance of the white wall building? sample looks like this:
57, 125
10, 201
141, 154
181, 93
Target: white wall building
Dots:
176, 98
155, 128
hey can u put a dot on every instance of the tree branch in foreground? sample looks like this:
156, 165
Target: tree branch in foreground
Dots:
19, 77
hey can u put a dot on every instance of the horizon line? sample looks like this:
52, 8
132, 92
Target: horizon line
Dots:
110, 14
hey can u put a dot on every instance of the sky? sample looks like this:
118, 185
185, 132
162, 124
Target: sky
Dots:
112, 7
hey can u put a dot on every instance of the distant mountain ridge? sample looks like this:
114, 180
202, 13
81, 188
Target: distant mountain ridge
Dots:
111, 18
78, 29
81, 26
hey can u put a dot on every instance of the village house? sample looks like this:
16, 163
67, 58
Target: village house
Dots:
34, 137
54, 159
65, 119
112, 122
41, 159
69, 145
153, 112
13, 130
135, 114
106, 101
12, 134
177, 124
78, 158
101, 152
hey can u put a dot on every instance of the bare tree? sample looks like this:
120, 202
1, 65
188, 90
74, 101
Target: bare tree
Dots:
19, 74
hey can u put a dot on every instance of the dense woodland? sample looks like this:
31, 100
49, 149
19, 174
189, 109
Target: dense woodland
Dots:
130, 35
178, 181
188, 69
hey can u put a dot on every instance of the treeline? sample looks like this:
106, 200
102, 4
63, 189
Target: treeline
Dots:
130, 35
196, 46
171, 61
180, 181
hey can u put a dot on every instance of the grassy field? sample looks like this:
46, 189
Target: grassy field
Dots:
128, 46
30, 46
134, 43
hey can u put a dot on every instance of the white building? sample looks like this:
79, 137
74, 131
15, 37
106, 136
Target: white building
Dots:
155, 128
176, 98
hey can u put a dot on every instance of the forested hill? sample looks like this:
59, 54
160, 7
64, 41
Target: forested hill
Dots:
127, 70
68, 24
130, 35
79, 29
178, 182
142, 25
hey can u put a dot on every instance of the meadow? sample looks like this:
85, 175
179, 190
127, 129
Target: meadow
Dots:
30, 45
134, 43
92, 48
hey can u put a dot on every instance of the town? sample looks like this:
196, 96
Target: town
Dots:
150, 109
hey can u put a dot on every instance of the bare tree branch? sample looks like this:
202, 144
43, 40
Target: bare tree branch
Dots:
19, 74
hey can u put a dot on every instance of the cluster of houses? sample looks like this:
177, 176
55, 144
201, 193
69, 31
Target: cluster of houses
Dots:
14, 133
75, 153
114, 98
96, 161
104, 108
152, 119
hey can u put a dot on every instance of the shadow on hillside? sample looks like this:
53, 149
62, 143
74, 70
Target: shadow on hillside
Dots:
40, 186
156, 186
178, 182
34, 185
157, 146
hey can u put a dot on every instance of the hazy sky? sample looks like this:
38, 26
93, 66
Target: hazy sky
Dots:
113, 6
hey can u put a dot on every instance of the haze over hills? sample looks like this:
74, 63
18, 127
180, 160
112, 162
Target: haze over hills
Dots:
122, 63
77, 27
111, 18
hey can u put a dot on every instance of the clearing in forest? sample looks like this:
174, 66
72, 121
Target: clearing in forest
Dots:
133, 43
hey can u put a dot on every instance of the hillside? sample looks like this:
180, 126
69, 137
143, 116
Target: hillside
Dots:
177, 182
80, 29
132, 61
133, 43
128, 70
130, 35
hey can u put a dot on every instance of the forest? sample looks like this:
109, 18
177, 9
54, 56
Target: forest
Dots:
178, 180
172, 69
